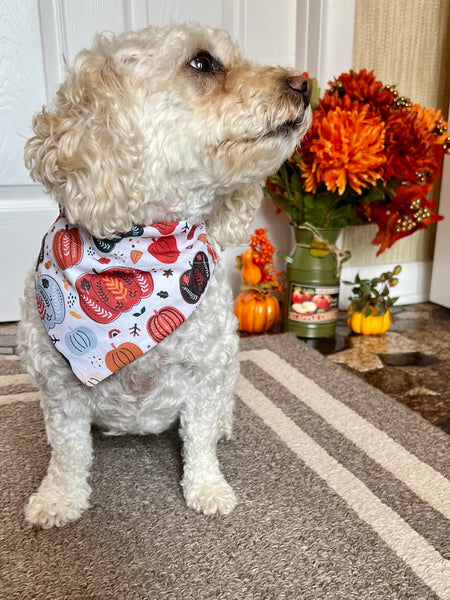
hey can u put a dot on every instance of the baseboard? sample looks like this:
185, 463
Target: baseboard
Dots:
413, 286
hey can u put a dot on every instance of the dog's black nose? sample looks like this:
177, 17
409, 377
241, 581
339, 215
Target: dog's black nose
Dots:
301, 85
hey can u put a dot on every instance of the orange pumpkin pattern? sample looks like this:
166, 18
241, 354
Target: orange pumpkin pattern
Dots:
67, 247
123, 355
101, 309
164, 322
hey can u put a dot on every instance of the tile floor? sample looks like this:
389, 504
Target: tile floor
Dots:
411, 362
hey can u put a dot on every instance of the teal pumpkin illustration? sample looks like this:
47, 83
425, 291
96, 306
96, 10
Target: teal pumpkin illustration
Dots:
106, 246
80, 340
50, 301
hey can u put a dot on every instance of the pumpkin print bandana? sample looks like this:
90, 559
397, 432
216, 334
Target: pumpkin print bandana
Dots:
104, 303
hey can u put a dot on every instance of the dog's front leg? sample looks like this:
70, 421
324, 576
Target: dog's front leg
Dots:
64, 492
204, 486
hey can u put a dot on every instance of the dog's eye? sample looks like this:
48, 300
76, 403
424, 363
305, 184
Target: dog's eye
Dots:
205, 63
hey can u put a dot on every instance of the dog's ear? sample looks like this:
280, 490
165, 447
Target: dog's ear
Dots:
233, 214
86, 150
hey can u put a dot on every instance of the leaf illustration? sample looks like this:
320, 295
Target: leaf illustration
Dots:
116, 287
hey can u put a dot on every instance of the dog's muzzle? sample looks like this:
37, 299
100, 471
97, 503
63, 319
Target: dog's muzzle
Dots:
302, 86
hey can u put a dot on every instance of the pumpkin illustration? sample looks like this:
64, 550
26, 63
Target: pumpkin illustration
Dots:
163, 322
165, 249
93, 378
50, 301
106, 246
80, 340
135, 231
194, 281
371, 324
41, 253
256, 311
67, 248
121, 356
104, 296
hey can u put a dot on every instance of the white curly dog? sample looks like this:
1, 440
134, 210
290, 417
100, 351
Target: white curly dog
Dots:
166, 126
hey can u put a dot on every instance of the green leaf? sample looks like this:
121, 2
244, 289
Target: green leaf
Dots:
315, 93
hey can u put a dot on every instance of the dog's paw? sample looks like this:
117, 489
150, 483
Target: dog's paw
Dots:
212, 498
53, 509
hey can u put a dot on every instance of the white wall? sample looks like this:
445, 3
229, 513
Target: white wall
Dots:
440, 278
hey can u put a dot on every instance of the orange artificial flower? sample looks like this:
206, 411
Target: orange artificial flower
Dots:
361, 87
414, 151
346, 148
408, 211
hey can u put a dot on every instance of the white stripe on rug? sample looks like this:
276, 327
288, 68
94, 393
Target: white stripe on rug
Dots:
411, 547
11, 380
23, 397
423, 480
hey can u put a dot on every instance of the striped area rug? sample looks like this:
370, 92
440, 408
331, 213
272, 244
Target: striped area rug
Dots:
343, 494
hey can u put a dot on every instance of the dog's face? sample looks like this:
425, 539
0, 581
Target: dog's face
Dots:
149, 118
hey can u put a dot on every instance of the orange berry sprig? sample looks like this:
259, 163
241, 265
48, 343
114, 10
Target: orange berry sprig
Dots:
262, 253
257, 264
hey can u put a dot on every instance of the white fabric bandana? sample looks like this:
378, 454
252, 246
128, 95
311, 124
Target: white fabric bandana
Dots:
104, 303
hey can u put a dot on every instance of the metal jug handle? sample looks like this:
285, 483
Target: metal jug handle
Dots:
285, 257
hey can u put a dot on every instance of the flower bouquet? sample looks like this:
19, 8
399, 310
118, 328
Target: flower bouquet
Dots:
371, 156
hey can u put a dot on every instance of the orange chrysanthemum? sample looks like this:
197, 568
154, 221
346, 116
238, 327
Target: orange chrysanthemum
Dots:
361, 87
414, 151
345, 148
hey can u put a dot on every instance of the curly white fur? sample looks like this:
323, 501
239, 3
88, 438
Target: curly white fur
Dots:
158, 125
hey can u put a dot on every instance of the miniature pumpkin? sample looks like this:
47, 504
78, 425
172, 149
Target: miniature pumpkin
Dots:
371, 324
123, 355
163, 322
67, 248
256, 311
251, 273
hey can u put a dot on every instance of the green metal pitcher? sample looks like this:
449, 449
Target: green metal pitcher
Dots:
310, 306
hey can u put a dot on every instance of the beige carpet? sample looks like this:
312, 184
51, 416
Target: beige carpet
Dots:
343, 494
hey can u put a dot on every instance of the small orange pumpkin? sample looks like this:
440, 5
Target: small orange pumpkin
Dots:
372, 324
251, 273
121, 356
256, 311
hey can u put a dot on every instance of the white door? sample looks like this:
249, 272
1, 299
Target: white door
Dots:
37, 36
